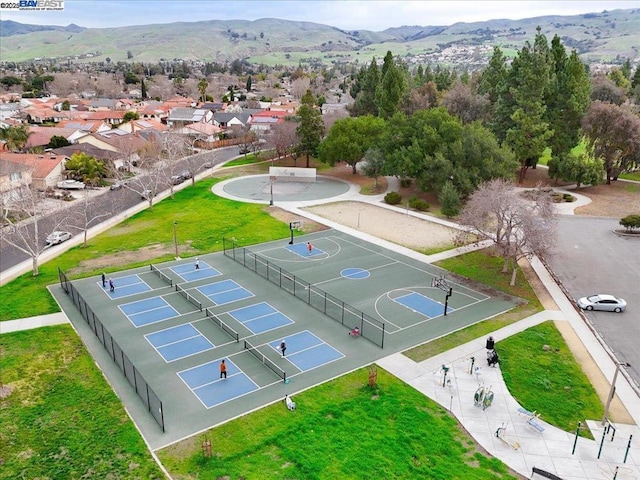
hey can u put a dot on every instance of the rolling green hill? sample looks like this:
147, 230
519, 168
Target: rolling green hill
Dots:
598, 37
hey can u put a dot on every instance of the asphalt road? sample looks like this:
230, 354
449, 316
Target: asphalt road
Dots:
590, 259
99, 208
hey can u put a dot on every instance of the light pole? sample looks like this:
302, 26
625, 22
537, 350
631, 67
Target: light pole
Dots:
271, 191
175, 237
612, 391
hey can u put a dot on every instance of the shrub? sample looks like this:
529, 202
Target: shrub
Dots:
630, 222
567, 197
418, 204
405, 182
393, 198
450, 200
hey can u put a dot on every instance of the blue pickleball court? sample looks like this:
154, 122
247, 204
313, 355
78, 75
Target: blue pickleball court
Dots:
189, 273
226, 291
260, 317
422, 305
205, 382
303, 250
126, 286
179, 342
307, 351
146, 312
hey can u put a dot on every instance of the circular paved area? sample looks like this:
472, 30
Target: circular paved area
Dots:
258, 189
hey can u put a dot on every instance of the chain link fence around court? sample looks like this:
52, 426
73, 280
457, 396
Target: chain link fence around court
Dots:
347, 315
131, 373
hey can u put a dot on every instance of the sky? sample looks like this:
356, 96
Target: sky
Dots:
376, 15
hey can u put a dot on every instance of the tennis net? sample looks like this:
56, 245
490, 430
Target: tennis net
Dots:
230, 331
265, 361
188, 296
163, 276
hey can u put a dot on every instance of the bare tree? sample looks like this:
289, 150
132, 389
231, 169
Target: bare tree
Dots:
174, 149
151, 173
23, 209
107, 86
159, 86
332, 117
284, 138
90, 214
518, 225
300, 86
463, 103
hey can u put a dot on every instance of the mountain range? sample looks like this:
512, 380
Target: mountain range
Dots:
605, 37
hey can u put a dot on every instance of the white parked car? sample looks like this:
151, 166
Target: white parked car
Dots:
70, 185
58, 237
603, 302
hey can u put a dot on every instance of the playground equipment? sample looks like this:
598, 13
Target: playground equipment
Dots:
478, 397
483, 397
500, 433
532, 419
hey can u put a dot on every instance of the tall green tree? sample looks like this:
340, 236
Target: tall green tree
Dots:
310, 128
494, 76
364, 90
613, 135
349, 139
529, 80
391, 89
567, 100
202, 89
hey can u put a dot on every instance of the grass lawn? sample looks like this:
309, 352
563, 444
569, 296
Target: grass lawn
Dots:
486, 269
203, 219
342, 429
548, 381
61, 419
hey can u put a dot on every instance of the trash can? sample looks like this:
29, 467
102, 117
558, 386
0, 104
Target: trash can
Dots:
490, 343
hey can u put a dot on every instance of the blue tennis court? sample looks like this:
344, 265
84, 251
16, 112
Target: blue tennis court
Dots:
205, 382
126, 286
146, 312
422, 305
306, 351
260, 317
302, 249
226, 291
179, 342
189, 273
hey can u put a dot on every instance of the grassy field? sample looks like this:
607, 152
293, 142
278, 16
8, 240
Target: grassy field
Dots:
399, 433
342, 429
203, 219
485, 269
61, 418
548, 381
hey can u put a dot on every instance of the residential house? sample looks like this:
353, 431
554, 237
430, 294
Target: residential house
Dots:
112, 117
262, 122
91, 126
328, 108
13, 175
39, 137
125, 144
45, 168
226, 120
143, 124
104, 104
153, 110
182, 116
87, 148
201, 132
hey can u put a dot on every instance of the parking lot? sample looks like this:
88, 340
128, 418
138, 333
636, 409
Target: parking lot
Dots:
590, 259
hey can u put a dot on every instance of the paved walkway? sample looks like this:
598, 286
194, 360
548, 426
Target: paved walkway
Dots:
522, 446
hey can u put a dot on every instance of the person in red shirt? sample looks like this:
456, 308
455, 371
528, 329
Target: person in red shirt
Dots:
309, 247
223, 369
